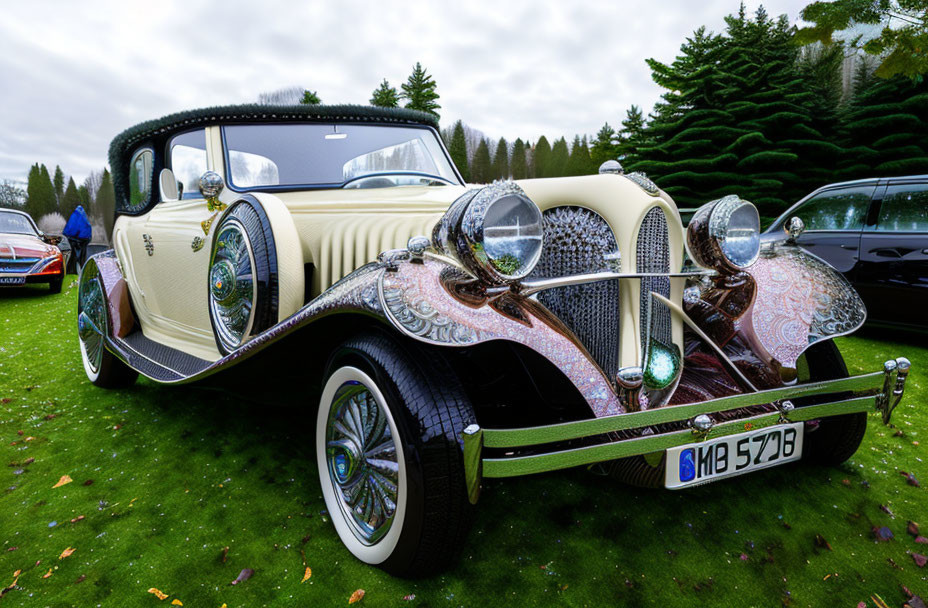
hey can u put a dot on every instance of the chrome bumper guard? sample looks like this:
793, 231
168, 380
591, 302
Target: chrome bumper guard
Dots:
881, 391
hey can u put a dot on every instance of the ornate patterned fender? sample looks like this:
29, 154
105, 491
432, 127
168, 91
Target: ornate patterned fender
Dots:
417, 299
117, 294
800, 300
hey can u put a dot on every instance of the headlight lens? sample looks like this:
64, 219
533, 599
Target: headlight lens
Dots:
499, 237
725, 234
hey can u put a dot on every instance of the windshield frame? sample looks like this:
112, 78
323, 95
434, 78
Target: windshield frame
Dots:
227, 168
35, 229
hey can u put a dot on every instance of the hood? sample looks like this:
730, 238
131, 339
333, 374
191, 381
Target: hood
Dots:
24, 246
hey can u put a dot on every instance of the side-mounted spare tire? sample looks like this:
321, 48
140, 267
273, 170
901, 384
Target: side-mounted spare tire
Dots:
243, 276
102, 367
389, 453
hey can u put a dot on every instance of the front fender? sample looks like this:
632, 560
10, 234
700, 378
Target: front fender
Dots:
800, 300
415, 297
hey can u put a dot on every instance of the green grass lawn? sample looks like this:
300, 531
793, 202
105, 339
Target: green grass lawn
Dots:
164, 479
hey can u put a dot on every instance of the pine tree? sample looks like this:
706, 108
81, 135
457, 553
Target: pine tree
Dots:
106, 204
557, 163
886, 125
519, 164
457, 148
632, 136
576, 163
385, 96
541, 158
419, 91
33, 206
310, 98
501, 160
47, 200
481, 170
84, 195
604, 147
58, 182
70, 199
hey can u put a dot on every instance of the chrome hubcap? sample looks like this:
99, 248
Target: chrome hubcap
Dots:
362, 461
231, 285
91, 317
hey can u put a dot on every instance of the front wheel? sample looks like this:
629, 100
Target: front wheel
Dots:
389, 457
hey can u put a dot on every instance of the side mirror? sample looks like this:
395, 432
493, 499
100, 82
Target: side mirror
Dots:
793, 228
211, 184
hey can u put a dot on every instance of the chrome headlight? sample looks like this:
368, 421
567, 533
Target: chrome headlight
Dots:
725, 234
496, 232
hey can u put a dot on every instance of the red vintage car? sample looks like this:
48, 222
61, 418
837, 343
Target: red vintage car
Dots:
27, 255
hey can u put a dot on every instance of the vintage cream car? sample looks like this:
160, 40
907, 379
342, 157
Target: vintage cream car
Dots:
441, 333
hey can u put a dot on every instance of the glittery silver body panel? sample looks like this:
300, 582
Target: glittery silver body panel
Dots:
653, 255
644, 182
417, 302
577, 241
800, 301
357, 293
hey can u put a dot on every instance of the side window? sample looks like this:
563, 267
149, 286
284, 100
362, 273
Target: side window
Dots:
141, 167
844, 209
187, 152
904, 209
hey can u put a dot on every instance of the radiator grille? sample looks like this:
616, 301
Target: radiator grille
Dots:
653, 255
577, 240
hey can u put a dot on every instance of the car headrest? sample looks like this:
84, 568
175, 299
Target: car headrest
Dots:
168, 185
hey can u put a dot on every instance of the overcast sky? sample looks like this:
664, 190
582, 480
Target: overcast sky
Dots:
74, 74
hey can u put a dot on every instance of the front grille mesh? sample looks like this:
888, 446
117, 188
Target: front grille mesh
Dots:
653, 255
576, 241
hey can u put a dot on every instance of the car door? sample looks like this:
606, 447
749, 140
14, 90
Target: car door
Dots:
834, 219
892, 276
176, 270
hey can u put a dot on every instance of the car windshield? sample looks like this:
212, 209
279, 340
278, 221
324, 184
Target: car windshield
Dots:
15, 223
331, 155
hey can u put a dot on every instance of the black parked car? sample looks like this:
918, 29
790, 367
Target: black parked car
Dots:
875, 231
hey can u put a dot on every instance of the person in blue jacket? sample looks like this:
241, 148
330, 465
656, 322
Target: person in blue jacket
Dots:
79, 232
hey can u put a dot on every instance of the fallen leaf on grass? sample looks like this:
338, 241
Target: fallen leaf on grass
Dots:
910, 478
88, 482
244, 575
821, 543
77, 519
409, 598
64, 480
50, 416
159, 594
66, 553
29, 439
356, 597
80, 579
5, 400
47, 574
308, 573
12, 585
912, 528
920, 560
886, 510
225, 552
914, 602
12, 549
921, 540
176, 602
878, 601
882, 534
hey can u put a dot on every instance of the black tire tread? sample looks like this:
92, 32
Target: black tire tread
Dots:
837, 438
437, 409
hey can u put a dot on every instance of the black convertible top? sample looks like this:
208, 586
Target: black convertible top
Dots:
159, 130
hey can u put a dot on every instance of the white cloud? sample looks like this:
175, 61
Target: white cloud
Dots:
77, 73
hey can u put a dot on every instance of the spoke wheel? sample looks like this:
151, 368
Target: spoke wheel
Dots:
232, 289
91, 319
361, 458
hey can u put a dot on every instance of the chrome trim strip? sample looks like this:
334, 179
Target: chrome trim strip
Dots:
527, 288
522, 437
540, 463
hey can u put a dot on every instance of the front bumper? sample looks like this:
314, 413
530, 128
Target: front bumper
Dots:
19, 271
881, 391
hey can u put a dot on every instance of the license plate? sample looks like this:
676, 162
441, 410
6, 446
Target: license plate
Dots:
12, 280
699, 463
